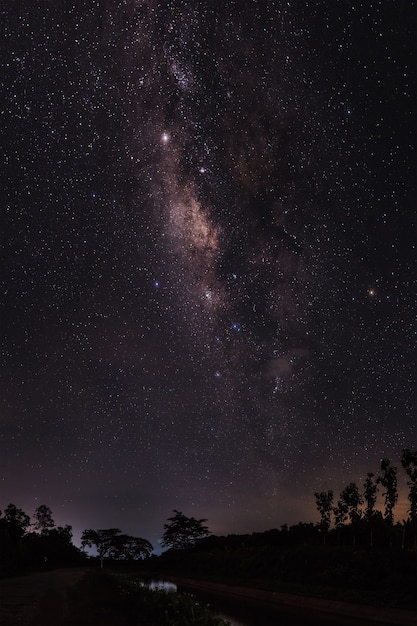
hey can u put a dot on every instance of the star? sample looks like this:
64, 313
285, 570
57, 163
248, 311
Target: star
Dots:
203, 210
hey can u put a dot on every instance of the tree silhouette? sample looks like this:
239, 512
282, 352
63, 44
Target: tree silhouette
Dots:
389, 481
409, 463
324, 503
17, 520
52, 548
43, 519
130, 548
182, 532
350, 500
353, 500
112, 543
370, 493
340, 516
103, 540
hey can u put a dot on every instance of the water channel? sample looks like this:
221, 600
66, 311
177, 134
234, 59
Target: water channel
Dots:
238, 612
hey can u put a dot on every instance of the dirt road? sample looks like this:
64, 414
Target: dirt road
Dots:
78, 597
40, 598
63, 597
304, 610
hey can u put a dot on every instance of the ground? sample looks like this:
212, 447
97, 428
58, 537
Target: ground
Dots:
64, 597
81, 597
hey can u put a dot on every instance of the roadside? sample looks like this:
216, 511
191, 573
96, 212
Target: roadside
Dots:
85, 597
322, 610
40, 598
62, 597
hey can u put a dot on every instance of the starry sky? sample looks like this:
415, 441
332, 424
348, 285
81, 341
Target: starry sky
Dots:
207, 256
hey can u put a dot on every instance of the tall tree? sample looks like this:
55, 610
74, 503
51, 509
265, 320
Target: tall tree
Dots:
182, 532
389, 481
340, 516
112, 543
104, 541
17, 520
43, 519
131, 548
370, 490
324, 504
409, 463
351, 499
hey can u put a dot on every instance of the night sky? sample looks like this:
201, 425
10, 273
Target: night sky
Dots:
207, 256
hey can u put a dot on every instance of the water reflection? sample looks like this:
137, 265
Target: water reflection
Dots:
160, 585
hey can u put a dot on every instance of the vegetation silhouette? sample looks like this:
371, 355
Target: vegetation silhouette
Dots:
182, 532
113, 544
353, 549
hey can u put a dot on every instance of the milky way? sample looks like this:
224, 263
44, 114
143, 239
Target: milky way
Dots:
207, 257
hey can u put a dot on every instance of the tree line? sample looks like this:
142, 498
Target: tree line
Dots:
349, 507
33, 545
26, 544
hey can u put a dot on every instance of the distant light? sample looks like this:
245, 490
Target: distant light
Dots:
165, 138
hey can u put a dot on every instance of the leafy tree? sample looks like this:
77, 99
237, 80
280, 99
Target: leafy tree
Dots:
370, 492
43, 519
103, 541
389, 481
13, 527
131, 548
340, 516
348, 508
17, 520
53, 548
182, 532
64, 532
112, 543
324, 504
352, 499
409, 463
